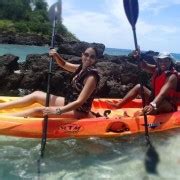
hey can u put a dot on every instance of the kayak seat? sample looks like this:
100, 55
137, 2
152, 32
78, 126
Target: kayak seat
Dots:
117, 127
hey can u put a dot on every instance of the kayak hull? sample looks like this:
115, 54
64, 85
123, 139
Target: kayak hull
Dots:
116, 124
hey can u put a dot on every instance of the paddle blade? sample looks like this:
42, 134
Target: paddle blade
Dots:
151, 160
131, 8
55, 11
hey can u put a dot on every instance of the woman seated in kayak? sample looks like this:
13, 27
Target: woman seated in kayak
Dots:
164, 83
78, 105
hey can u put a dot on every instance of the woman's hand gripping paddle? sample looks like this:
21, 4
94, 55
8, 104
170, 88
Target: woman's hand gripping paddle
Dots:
131, 8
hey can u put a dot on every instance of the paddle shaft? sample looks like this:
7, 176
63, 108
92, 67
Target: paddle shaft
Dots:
45, 122
131, 8
141, 85
152, 158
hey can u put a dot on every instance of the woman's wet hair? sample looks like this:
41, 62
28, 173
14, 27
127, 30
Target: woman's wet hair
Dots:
80, 67
94, 48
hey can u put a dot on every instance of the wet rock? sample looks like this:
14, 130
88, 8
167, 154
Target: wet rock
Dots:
76, 48
9, 62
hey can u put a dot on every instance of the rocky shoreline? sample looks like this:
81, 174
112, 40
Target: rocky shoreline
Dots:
23, 39
118, 73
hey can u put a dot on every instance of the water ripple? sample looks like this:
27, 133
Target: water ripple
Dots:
92, 158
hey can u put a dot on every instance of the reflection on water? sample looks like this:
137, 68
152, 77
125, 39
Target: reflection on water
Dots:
93, 158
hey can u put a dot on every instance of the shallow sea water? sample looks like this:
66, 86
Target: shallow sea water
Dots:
91, 159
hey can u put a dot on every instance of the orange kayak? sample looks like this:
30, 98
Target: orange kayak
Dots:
117, 122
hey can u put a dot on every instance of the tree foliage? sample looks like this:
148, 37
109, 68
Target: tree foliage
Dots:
27, 16
14, 9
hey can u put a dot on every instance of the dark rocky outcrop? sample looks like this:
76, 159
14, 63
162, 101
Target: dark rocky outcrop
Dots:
24, 39
118, 73
76, 48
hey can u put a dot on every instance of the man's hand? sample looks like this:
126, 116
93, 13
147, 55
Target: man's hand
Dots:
149, 109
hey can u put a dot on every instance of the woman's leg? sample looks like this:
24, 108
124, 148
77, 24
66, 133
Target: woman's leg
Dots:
30, 112
27, 100
132, 94
38, 112
37, 96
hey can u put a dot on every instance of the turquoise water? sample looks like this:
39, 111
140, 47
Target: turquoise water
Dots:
22, 51
91, 159
114, 51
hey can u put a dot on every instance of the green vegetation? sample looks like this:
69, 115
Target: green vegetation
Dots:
28, 16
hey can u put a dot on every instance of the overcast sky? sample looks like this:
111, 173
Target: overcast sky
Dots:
104, 21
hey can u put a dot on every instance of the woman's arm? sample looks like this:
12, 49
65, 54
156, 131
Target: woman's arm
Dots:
62, 63
89, 87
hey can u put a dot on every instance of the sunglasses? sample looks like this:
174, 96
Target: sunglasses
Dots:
90, 56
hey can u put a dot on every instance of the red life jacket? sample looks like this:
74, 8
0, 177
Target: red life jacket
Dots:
178, 90
158, 82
